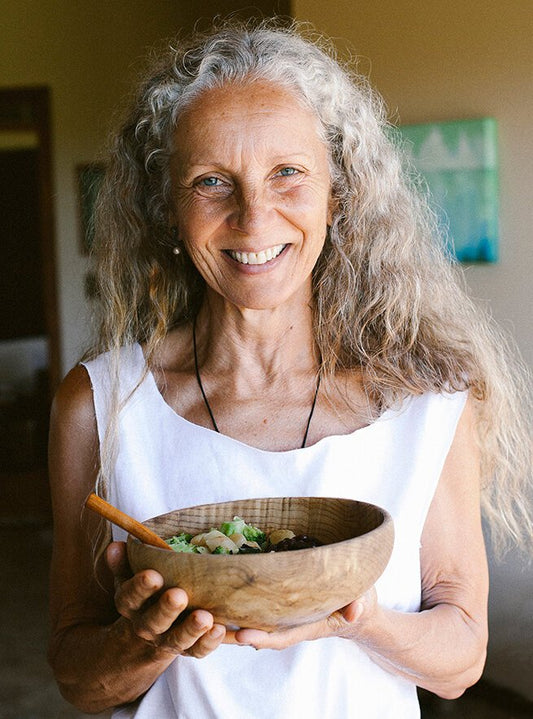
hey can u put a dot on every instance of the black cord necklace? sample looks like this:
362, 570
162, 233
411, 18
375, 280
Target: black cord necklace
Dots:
199, 380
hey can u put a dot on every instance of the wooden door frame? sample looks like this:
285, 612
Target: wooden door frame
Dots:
28, 109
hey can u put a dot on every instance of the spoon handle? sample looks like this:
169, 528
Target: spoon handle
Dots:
114, 515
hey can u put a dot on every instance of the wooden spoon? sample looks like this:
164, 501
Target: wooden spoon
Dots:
124, 521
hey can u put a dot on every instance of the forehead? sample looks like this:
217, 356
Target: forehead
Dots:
237, 111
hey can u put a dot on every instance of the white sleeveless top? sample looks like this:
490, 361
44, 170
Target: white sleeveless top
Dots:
165, 462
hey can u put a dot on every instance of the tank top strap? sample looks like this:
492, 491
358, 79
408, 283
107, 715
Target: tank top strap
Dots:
125, 370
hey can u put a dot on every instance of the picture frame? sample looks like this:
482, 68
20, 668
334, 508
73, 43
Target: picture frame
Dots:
458, 160
89, 178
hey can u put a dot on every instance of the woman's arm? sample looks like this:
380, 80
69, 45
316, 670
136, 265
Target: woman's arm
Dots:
441, 648
104, 652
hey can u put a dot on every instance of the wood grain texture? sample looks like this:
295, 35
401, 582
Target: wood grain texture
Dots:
277, 589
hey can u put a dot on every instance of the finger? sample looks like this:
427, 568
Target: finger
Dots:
360, 608
252, 637
208, 642
336, 623
158, 618
260, 639
333, 625
117, 560
133, 593
229, 636
353, 611
184, 635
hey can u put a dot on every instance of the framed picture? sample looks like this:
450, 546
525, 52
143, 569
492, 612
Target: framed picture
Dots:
459, 162
90, 178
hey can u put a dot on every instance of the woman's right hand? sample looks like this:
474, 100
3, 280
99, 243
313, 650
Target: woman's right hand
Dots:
159, 617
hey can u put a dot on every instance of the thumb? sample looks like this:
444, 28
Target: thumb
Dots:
351, 612
364, 604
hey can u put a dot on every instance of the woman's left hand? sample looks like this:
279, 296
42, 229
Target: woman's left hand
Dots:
342, 623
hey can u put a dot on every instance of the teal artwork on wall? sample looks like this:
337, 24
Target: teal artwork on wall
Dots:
459, 162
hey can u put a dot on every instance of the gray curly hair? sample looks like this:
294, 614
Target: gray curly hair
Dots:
388, 298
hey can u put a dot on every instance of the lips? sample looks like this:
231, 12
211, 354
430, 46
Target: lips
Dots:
256, 258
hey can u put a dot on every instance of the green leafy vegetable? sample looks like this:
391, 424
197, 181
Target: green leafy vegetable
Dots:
237, 537
239, 526
221, 550
254, 534
235, 527
182, 543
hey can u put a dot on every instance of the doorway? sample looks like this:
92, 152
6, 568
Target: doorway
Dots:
29, 333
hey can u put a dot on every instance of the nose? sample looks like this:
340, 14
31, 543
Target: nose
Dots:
252, 212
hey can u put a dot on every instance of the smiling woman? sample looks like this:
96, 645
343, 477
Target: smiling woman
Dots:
248, 167
277, 319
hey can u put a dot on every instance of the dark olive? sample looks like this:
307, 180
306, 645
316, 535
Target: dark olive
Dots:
300, 541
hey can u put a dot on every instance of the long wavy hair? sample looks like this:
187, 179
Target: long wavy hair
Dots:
388, 298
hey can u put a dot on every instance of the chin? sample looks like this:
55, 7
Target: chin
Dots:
270, 297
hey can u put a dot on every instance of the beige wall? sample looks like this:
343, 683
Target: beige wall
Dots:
435, 60
199, 12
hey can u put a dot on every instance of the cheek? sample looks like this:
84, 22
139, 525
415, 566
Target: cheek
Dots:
314, 203
206, 265
197, 222
317, 220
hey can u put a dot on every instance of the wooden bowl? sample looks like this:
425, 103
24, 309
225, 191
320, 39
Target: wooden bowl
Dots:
276, 589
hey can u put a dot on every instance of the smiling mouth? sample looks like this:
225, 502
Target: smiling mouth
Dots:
256, 258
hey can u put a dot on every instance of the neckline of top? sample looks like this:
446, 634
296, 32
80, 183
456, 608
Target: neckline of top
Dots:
386, 414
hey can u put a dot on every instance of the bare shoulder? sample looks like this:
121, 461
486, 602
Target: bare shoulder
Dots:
73, 447
73, 400
74, 459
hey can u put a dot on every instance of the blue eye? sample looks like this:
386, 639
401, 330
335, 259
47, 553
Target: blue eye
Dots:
287, 171
213, 186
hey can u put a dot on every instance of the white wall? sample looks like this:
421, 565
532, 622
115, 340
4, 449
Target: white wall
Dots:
435, 60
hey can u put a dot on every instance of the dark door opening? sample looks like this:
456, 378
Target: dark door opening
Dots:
29, 346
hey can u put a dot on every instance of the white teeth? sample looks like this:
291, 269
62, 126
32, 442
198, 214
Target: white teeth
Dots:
257, 258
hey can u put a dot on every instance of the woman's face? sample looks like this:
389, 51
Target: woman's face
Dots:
251, 193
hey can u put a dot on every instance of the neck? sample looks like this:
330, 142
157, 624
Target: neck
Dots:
208, 406
257, 345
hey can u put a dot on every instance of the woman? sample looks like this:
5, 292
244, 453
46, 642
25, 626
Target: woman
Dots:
277, 319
